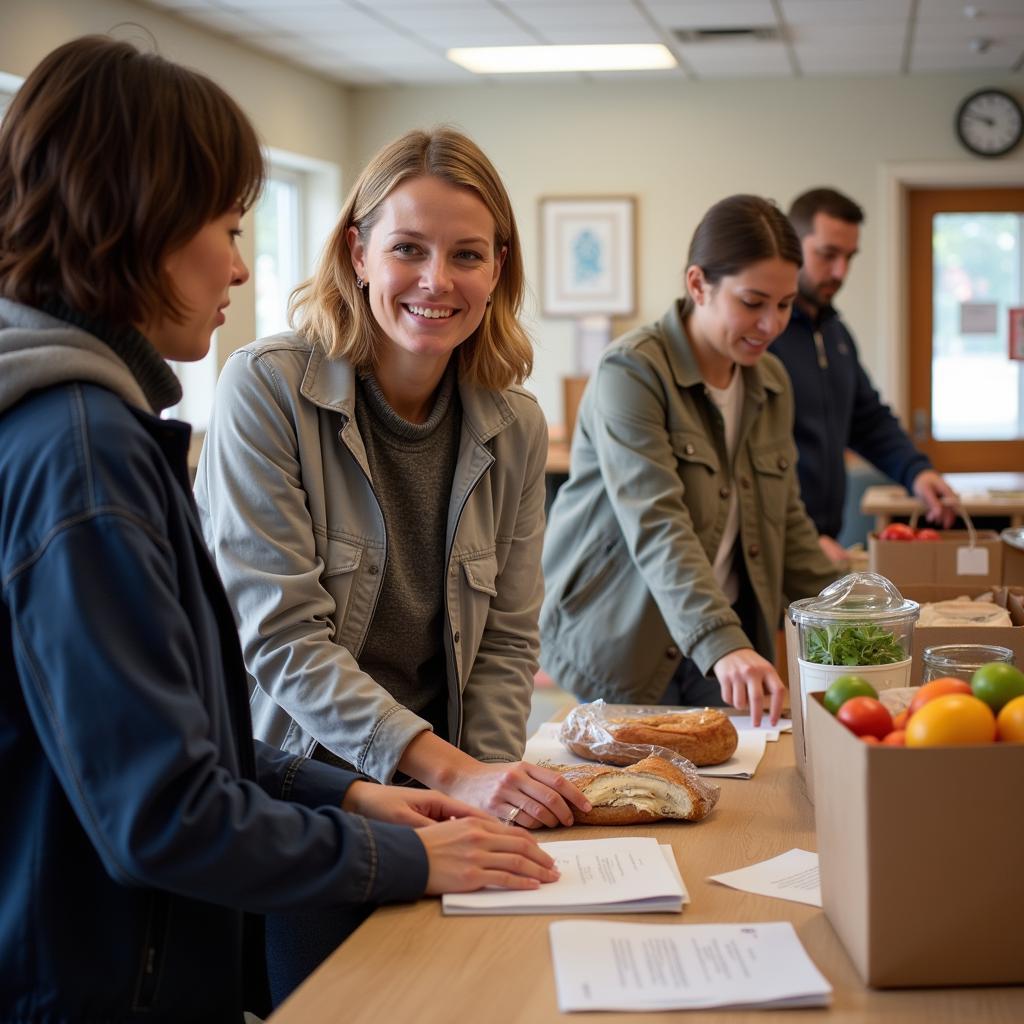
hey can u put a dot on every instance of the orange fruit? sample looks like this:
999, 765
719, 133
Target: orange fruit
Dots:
900, 721
956, 719
1010, 722
897, 738
937, 688
868, 738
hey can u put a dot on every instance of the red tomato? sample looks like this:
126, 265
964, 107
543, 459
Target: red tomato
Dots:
865, 716
897, 531
927, 533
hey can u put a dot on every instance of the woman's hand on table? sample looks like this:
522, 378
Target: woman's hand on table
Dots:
525, 793
517, 791
470, 853
746, 678
400, 805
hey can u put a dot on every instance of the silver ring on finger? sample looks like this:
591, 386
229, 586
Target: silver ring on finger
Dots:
510, 818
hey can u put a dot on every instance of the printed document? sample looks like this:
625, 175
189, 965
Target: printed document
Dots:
605, 965
598, 876
790, 876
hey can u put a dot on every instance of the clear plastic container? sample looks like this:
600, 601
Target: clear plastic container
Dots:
859, 625
960, 661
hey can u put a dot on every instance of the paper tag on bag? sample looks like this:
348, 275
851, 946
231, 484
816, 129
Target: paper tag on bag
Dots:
972, 561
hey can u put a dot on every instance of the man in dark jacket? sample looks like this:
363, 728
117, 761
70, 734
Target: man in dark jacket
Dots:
837, 406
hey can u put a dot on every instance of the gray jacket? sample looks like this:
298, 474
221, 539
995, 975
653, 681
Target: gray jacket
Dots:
631, 538
290, 514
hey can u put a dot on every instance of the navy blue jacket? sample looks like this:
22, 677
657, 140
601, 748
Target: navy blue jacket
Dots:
140, 822
837, 407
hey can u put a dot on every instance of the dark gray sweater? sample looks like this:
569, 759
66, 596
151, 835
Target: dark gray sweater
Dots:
412, 466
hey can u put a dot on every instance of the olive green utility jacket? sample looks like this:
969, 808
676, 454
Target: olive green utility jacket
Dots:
632, 534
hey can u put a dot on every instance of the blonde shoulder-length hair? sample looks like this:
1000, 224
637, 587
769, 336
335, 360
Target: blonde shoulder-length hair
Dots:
332, 311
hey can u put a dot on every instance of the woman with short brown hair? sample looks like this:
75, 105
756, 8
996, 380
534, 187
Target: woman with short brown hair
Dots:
143, 830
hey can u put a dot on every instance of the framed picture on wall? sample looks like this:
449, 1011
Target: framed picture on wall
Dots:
588, 260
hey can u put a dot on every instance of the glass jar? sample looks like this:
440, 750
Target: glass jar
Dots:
960, 661
859, 625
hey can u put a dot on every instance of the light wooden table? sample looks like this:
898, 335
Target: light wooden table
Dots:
981, 494
409, 964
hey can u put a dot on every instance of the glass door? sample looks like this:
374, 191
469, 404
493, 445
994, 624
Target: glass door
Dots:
966, 279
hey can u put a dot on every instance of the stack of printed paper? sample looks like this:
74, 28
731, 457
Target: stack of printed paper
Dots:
604, 965
598, 876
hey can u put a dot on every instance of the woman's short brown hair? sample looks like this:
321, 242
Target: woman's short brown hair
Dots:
330, 309
110, 159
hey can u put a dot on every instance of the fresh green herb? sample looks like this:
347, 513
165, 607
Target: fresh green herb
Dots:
852, 645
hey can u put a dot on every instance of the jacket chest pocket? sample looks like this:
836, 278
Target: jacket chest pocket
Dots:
477, 577
772, 467
697, 465
350, 589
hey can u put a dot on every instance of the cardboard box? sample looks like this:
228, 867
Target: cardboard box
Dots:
931, 636
949, 560
920, 854
795, 701
1013, 566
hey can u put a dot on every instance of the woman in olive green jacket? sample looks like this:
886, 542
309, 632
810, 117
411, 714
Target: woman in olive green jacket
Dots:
669, 549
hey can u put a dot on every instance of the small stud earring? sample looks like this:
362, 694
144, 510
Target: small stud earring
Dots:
360, 283
490, 299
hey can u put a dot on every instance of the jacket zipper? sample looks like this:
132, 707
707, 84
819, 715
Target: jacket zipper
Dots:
819, 344
384, 561
152, 952
448, 618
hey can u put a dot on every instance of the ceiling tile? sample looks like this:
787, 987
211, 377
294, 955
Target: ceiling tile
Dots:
1004, 27
589, 34
739, 59
946, 9
711, 13
821, 60
470, 35
396, 48
573, 15
304, 18
261, 6
853, 37
844, 12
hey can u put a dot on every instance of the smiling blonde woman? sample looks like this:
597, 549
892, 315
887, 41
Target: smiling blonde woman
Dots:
372, 489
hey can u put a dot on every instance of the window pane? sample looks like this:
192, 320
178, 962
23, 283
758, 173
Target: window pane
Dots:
198, 381
278, 244
977, 277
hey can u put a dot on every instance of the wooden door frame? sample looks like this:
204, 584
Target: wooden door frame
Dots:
895, 181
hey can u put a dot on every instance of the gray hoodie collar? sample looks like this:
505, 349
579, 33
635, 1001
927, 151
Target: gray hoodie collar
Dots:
39, 349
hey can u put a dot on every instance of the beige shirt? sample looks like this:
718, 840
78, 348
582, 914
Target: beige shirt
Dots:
729, 401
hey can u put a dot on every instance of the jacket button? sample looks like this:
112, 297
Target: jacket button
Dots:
689, 449
373, 570
724, 492
754, 550
783, 462
745, 481
672, 651
457, 637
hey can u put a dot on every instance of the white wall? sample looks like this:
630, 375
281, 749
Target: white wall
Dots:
292, 110
680, 146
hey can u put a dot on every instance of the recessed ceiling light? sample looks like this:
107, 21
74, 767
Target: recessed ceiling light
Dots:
492, 60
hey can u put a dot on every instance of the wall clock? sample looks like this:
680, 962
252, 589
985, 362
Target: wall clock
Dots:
989, 122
